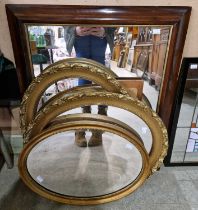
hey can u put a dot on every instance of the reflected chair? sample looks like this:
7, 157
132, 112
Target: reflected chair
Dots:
39, 59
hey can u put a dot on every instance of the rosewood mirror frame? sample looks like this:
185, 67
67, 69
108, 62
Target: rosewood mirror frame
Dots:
178, 17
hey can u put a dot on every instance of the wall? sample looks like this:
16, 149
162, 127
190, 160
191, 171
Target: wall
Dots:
190, 48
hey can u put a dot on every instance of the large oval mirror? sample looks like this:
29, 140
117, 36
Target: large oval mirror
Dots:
65, 168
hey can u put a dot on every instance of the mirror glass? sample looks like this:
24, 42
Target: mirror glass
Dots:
130, 51
61, 166
130, 119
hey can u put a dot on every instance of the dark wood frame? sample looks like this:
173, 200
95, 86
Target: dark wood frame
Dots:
178, 17
176, 110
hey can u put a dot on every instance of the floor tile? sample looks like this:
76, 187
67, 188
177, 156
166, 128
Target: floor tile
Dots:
190, 191
172, 207
194, 206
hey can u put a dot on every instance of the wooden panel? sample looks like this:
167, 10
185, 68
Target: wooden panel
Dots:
145, 50
135, 87
161, 62
159, 55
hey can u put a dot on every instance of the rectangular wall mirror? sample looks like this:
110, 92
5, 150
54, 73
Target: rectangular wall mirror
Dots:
153, 40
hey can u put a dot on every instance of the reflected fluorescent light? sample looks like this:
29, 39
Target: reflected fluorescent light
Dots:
108, 11
121, 29
194, 66
156, 31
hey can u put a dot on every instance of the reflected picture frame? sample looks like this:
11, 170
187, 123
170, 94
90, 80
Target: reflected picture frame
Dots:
129, 63
129, 39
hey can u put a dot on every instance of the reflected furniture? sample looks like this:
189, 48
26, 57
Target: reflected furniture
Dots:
141, 59
150, 52
39, 59
143, 51
159, 52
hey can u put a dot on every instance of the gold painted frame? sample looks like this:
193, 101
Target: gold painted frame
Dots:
85, 124
72, 67
77, 99
38, 124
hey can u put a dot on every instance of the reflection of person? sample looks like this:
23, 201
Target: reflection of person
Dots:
91, 43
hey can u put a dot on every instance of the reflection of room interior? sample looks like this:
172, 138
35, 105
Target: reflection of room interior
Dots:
142, 49
137, 48
139, 51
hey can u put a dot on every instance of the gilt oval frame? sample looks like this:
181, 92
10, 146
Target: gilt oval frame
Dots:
61, 120
77, 99
67, 68
85, 124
